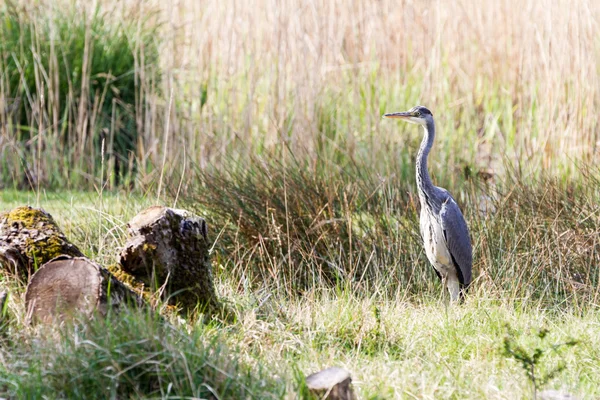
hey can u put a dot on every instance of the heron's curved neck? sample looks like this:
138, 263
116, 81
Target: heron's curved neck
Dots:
423, 179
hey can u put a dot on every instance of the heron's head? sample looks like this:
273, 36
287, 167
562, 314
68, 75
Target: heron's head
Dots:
416, 115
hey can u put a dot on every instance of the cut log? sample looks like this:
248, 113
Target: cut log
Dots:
30, 237
168, 248
332, 384
67, 285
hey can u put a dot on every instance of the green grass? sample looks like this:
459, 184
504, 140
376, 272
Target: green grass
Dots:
387, 324
69, 83
402, 350
131, 356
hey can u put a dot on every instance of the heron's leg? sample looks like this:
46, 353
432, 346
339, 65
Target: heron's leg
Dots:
453, 287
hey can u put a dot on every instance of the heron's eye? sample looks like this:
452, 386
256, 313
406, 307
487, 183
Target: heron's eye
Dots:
417, 114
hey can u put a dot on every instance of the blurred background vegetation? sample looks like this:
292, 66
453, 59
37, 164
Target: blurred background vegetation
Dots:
153, 88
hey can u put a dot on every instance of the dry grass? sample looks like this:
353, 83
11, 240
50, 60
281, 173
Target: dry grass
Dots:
510, 77
296, 228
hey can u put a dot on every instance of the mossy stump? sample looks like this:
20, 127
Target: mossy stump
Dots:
168, 250
29, 237
332, 384
73, 285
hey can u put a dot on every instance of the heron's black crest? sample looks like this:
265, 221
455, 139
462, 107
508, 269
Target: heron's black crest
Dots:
422, 110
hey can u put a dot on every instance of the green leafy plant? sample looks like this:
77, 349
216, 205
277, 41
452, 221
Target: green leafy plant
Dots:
531, 360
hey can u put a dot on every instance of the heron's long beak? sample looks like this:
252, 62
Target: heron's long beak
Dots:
400, 115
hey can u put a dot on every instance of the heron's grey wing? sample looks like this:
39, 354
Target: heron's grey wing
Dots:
457, 239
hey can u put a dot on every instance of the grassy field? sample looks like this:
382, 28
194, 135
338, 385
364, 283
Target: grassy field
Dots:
264, 117
394, 331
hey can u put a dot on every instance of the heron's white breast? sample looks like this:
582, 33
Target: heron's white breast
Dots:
435, 244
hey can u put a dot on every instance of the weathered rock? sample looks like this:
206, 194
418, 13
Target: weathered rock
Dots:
67, 285
169, 248
30, 237
332, 383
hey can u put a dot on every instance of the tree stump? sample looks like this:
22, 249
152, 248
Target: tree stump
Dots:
30, 237
13, 261
556, 395
67, 285
332, 384
169, 248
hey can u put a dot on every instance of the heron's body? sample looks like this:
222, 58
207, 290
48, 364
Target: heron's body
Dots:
442, 225
437, 249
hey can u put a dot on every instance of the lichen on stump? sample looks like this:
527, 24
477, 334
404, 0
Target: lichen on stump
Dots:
68, 285
30, 237
169, 248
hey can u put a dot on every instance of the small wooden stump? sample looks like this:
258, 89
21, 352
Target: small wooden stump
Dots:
30, 237
169, 247
332, 384
69, 285
556, 395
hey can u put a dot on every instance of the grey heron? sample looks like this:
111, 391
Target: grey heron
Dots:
443, 228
